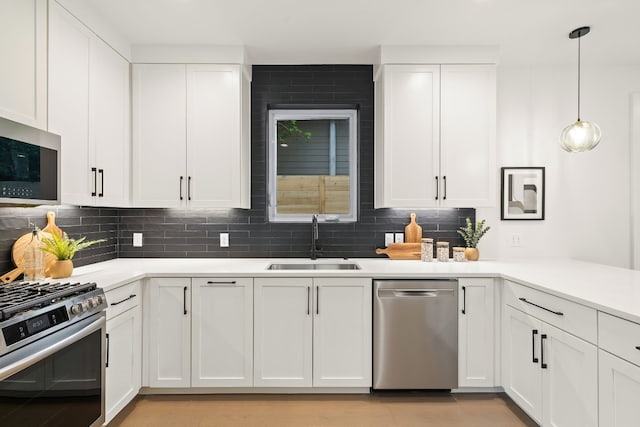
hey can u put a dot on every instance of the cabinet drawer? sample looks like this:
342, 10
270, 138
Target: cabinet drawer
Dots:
123, 298
620, 337
569, 316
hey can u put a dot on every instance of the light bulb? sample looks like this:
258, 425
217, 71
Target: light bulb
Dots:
580, 136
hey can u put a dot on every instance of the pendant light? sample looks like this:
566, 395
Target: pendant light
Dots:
580, 136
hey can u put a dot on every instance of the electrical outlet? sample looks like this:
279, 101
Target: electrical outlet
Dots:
388, 239
224, 240
399, 238
516, 240
137, 240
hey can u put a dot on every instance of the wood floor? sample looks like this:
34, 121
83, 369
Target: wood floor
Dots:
387, 409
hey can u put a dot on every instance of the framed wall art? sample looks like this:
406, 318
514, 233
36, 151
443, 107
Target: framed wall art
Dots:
522, 192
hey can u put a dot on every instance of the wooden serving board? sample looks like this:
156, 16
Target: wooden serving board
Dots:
401, 251
412, 232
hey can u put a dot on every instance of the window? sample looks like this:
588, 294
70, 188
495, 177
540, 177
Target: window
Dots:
313, 165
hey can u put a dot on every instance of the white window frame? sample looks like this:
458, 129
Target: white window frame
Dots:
272, 162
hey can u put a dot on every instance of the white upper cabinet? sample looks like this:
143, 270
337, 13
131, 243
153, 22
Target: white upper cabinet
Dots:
23, 49
89, 109
191, 144
468, 135
435, 136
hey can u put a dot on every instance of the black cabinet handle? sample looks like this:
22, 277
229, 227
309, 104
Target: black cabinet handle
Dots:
123, 300
317, 300
232, 282
437, 188
95, 182
534, 332
557, 313
464, 300
308, 300
101, 172
184, 300
638, 347
542, 338
107, 362
181, 179
444, 181
189, 188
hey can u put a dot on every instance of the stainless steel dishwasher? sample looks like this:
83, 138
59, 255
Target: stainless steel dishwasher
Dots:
415, 334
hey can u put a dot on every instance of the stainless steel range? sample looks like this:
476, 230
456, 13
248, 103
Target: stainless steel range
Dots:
52, 354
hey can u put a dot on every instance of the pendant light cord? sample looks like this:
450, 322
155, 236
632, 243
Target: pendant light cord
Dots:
579, 77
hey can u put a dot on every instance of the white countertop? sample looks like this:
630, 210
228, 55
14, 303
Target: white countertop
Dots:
611, 289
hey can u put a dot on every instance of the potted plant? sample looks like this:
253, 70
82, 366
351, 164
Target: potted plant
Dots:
64, 248
471, 237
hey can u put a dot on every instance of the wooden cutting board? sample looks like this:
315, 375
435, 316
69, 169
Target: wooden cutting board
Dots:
401, 251
412, 232
17, 251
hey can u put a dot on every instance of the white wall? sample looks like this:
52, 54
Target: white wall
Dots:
587, 195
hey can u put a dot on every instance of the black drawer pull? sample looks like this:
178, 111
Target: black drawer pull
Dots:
184, 300
123, 300
557, 313
232, 282
533, 345
638, 347
106, 365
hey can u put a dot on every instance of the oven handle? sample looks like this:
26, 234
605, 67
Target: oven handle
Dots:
46, 352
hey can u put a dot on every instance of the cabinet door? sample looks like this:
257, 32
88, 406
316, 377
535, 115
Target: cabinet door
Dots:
23, 49
213, 136
476, 333
282, 332
619, 390
342, 333
409, 153
521, 360
123, 373
170, 328
468, 135
109, 124
222, 333
569, 380
69, 46
159, 135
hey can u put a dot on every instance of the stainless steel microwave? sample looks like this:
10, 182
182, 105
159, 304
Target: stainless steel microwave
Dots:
29, 165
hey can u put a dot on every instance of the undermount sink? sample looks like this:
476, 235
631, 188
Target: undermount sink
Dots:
313, 266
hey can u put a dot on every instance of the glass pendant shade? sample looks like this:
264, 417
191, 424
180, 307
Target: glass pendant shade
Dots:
580, 136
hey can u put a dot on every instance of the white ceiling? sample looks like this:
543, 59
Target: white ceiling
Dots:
349, 31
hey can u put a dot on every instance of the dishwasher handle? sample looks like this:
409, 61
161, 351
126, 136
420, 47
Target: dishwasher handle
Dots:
428, 293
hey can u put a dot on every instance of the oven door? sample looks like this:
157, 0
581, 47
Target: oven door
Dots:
57, 380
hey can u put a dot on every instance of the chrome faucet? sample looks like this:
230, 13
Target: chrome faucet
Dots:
314, 237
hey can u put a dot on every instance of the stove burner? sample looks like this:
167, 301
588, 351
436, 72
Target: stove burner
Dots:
22, 296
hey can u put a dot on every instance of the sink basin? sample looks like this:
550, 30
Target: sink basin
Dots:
313, 266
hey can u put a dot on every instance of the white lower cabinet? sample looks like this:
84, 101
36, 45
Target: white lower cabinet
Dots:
124, 361
312, 332
124, 347
549, 373
169, 331
476, 332
222, 332
619, 391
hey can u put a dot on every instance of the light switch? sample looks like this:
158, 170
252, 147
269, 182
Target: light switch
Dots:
388, 239
137, 240
399, 237
224, 240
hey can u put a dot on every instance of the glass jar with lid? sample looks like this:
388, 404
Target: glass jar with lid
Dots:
458, 253
426, 250
442, 251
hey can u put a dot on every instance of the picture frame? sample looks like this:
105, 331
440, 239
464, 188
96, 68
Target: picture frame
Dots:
522, 193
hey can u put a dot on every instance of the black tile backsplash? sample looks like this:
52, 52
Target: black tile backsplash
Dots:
195, 233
